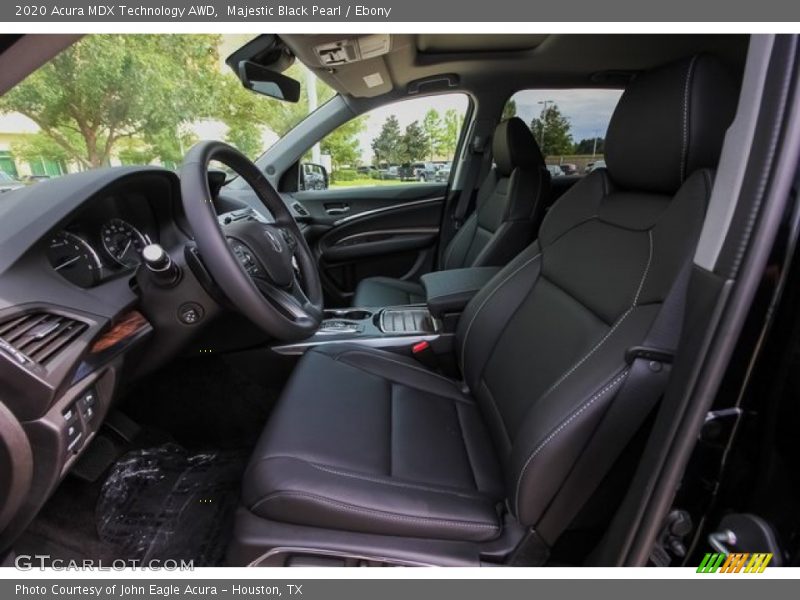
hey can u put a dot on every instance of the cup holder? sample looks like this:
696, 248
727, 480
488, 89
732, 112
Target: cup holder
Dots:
349, 314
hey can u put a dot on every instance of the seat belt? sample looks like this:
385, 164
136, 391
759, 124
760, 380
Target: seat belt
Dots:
477, 159
649, 369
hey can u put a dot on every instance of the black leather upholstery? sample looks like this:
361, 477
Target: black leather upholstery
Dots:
450, 291
508, 209
688, 130
386, 291
372, 442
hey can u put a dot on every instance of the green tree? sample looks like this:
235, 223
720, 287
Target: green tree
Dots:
244, 112
36, 147
342, 144
552, 131
434, 131
107, 88
246, 137
452, 127
414, 143
588, 146
509, 110
386, 147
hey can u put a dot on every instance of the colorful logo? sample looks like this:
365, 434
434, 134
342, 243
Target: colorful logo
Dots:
737, 562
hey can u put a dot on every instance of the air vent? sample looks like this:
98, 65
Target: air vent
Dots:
39, 336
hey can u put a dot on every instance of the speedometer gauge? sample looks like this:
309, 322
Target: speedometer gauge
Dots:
74, 259
123, 242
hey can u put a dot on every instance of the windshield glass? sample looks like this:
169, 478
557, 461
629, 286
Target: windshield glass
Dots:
140, 100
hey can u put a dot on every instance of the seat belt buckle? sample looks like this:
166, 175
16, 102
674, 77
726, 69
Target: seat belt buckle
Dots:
646, 353
423, 352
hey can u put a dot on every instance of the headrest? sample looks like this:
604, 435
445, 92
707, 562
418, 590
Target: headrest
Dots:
513, 146
670, 122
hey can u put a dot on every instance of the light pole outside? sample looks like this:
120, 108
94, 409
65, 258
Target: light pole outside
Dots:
544, 120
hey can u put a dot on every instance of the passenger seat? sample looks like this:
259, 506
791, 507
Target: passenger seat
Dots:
508, 211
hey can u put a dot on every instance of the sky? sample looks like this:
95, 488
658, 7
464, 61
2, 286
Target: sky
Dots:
589, 111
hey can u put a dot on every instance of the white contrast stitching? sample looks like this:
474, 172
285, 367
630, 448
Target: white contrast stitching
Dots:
608, 334
397, 362
485, 300
646, 268
685, 145
387, 515
561, 427
477, 495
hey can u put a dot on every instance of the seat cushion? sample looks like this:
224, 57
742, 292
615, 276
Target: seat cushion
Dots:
385, 291
370, 441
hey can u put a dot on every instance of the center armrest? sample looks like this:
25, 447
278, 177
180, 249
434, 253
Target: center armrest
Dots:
448, 292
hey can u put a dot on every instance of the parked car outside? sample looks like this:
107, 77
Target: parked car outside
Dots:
568, 168
598, 164
424, 171
31, 179
442, 174
8, 183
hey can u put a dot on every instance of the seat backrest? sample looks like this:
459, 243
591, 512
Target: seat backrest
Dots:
509, 205
542, 345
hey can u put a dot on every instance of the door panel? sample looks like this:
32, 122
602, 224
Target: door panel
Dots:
329, 206
390, 231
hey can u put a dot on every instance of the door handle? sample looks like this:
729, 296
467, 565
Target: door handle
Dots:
337, 209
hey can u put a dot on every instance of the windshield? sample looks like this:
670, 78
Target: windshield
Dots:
114, 100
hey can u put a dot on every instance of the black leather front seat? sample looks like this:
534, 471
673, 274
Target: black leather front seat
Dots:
508, 210
371, 442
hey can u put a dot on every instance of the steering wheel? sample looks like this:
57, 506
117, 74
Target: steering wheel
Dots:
265, 269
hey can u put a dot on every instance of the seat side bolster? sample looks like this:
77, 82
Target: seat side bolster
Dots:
296, 490
396, 368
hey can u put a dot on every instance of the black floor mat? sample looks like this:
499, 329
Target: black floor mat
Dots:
167, 503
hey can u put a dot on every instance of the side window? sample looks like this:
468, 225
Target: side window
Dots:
569, 125
405, 143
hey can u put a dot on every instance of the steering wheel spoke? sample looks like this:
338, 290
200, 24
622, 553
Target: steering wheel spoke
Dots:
292, 305
266, 269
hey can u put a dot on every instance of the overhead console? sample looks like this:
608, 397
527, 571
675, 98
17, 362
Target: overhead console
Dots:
353, 49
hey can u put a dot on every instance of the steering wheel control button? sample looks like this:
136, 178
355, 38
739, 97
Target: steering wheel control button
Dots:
190, 313
164, 272
246, 259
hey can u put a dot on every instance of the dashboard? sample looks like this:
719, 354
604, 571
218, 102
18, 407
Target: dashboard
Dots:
80, 318
105, 241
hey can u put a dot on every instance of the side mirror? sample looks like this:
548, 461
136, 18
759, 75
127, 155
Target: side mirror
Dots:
268, 83
312, 176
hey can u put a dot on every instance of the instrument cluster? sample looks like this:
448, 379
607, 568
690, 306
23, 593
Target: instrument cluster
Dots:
105, 241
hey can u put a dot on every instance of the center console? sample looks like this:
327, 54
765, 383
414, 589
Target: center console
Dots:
401, 327
389, 328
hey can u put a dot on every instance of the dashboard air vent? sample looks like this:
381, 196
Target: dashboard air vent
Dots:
40, 336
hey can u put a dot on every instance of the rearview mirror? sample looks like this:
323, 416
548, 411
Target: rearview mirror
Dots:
268, 83
312, 176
